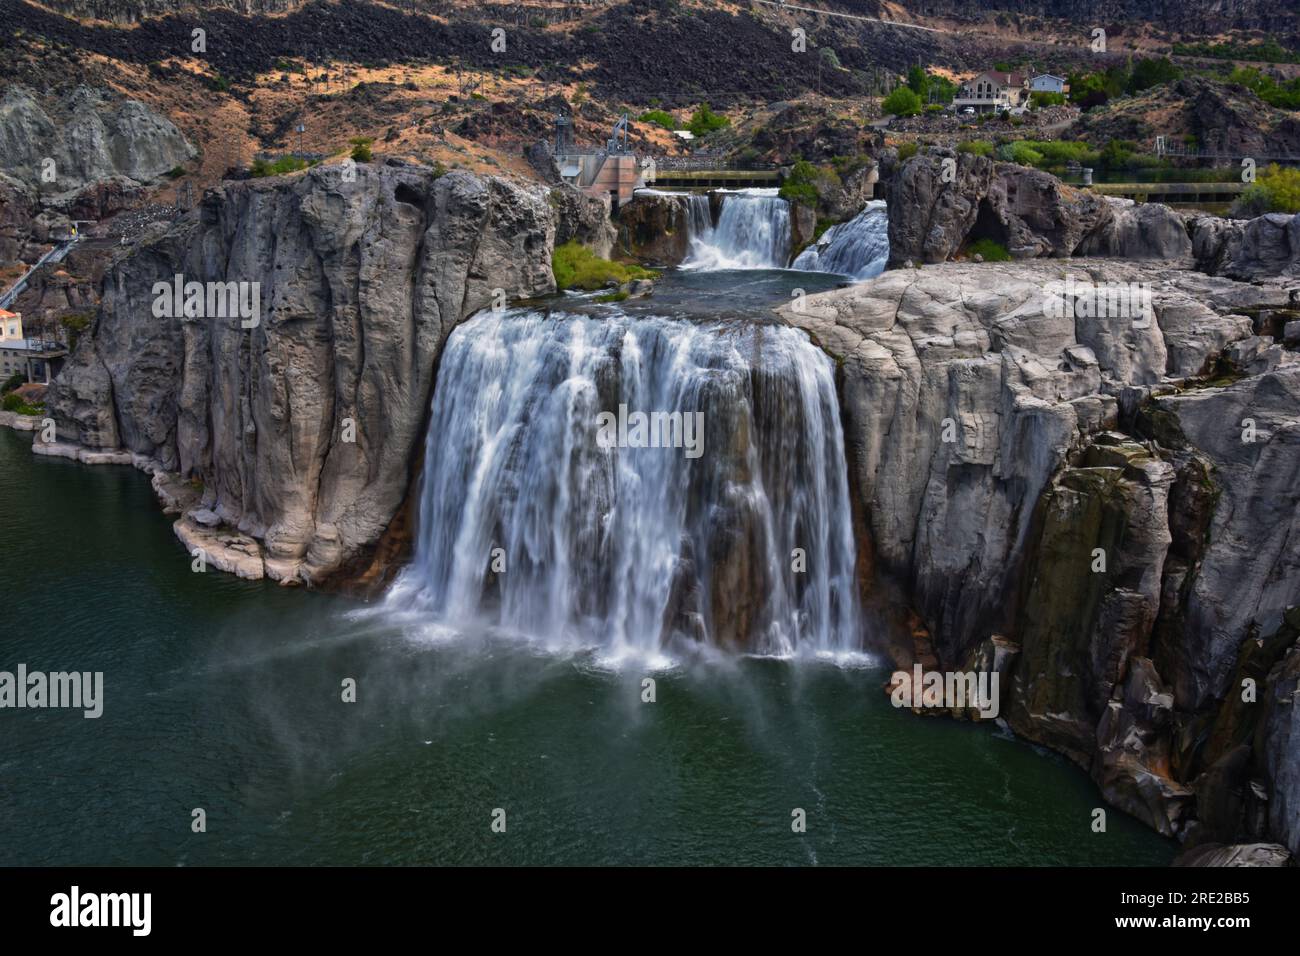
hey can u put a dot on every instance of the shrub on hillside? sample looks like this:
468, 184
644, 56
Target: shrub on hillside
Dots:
902, 102
659, 118
705, 121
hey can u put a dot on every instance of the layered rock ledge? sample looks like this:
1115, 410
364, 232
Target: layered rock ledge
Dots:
1000, 445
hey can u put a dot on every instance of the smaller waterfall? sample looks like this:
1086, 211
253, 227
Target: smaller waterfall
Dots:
858, 248
753, 232
699, 216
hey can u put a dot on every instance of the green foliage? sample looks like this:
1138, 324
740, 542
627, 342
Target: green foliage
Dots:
577, 267
843, 165
285, 164
361, 149
705, 121
906, 151
1282, 95
942, 88
176, 172
1095, 89
801, 185
1124, 154
659, 118
1264, 51
13, 402
1277, 189
830, 58
918, 81
989, 249
76, 323
976, 147
12, 382
1046, 98
219, 83
1152, 72
1020, 152
902, 102
1057, 154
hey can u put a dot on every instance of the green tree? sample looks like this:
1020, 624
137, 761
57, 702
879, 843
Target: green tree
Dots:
705, 121
918, 81
902, 102
361, 149
1152, 72
1276, 190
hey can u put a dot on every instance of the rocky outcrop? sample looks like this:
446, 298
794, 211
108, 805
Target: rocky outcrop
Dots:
654, 228
18, 209
87, 136
302, 429
584, 219
1259, 248
942, 200
1073, 483
1246, 854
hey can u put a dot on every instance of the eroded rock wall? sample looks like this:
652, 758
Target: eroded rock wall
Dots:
359, 284
1000, 445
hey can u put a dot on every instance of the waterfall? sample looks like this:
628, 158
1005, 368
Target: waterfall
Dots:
699, 216
753, 232
532, 524
858, 248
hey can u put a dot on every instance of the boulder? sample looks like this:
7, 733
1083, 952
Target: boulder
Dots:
654, 227
584, 219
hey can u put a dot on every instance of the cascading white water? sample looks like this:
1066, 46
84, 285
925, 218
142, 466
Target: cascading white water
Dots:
753, 232
528, 522
858, 248
699, 216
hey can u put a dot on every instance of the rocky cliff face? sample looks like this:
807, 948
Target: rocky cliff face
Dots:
301, 432
955, 198
83, 138
1074, 488
655, 228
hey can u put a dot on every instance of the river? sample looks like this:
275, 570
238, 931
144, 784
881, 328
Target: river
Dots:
226, 695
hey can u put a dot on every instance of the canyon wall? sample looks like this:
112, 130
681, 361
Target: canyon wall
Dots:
1080, 490
290, 446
